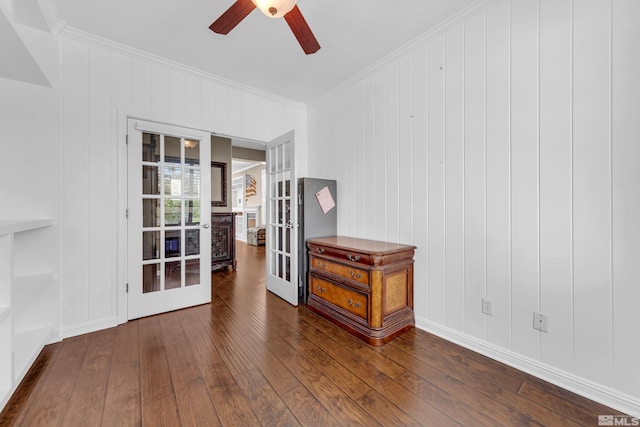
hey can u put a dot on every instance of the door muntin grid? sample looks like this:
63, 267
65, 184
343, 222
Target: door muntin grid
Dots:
280, 205
171, 210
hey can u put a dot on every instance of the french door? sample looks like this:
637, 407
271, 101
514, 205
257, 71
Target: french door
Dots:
169, 211
282, 219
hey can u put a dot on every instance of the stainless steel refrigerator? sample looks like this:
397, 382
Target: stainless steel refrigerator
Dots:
317, 217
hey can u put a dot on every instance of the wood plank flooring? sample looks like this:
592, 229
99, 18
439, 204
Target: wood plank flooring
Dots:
250, 359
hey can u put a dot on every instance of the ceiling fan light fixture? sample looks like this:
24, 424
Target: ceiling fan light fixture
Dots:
188, 143
275, 8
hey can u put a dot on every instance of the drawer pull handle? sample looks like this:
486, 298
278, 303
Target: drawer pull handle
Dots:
355, 275
354, 304
353, 258
321, 265
320, 250
321, 290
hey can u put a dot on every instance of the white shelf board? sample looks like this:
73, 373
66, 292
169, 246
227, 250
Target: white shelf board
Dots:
16, 226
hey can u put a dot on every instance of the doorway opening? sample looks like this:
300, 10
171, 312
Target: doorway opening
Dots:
248, 193
270, 219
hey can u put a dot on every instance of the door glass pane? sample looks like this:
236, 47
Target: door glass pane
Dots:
171, 149
150, 245
172, 275
173, 212
287, 155
172, 244
150, 278
173, 180
280, 157
192, 212
150, 147
287, 211
287, 268
191, 185
192, 272
287, 240
274, 158
150, 212
192, 242
150, 180
191, 152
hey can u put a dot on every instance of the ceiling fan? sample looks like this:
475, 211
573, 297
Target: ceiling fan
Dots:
273, 9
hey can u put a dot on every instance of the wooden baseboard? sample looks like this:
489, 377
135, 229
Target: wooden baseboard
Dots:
567, 380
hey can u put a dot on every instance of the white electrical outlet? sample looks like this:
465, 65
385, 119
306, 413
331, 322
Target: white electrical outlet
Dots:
540, 322
487, 306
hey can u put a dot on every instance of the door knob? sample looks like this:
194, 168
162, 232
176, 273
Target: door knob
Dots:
205, 225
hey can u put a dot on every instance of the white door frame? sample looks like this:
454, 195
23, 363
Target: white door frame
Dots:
121, 252
163, 299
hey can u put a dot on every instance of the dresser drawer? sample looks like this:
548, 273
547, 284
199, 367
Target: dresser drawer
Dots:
339, 269
347, 299
340, 254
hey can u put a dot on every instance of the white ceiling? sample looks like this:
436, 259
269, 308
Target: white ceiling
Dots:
262, 52
242, 165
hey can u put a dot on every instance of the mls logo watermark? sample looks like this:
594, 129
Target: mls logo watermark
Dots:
618, 420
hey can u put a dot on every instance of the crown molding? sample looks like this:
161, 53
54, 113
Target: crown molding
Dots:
66, 30
423, 38
50, 14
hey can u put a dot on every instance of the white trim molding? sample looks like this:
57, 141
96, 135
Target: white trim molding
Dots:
88, 327
74, 33
566, 380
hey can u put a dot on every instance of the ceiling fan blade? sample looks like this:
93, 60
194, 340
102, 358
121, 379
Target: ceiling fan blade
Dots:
232, 17
301, 30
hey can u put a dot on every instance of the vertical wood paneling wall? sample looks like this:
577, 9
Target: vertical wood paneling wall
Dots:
506, 147
100, 84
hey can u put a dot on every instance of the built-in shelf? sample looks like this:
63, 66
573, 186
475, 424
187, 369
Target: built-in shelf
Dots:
29, 300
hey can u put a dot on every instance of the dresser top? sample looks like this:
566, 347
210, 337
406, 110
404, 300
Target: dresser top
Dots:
361, 245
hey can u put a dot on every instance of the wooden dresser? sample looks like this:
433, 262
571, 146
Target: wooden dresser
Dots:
363, 286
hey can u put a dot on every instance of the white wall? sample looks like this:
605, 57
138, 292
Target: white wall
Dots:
505, 147
101, 84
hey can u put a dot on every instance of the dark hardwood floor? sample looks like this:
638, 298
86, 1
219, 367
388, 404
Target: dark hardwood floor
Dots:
249, 359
